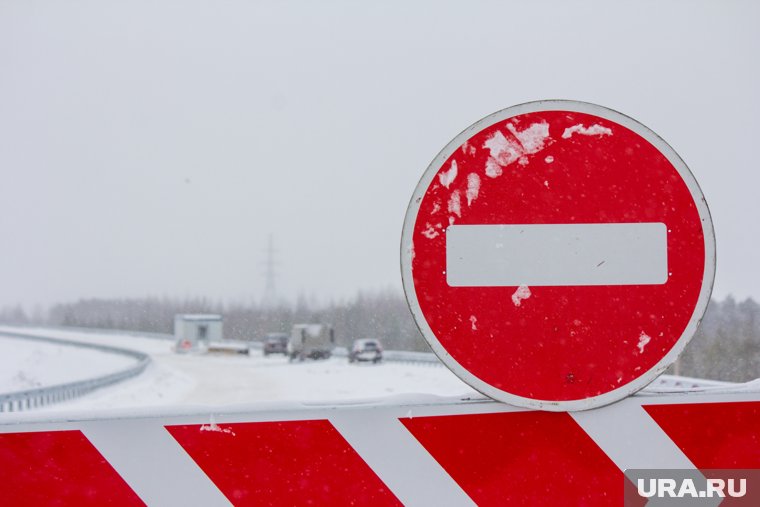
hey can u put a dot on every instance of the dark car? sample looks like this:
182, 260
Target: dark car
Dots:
366, 349
276, 343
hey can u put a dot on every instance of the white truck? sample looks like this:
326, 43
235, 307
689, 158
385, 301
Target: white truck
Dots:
313, 341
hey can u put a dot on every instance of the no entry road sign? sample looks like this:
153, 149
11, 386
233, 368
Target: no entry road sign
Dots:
557, 255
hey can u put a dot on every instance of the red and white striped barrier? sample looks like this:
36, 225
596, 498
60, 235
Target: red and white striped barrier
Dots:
434, 453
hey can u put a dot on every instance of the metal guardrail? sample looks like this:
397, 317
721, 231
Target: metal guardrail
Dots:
405, 356
677, 384
399, 356
32, 398
93, 330
662, 384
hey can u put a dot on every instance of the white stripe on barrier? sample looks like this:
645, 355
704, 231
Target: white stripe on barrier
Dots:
637, 441
395, 456
152, 463
630, 437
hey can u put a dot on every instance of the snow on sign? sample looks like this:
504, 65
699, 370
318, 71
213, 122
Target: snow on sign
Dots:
557, 255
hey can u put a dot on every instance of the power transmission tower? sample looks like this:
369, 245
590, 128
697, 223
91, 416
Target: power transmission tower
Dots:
269, 299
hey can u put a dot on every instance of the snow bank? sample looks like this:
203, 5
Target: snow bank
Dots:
28, 364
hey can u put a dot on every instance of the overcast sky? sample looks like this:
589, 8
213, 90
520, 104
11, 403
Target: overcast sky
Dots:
150, 148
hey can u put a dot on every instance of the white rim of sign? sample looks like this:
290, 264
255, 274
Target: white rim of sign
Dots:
551, 405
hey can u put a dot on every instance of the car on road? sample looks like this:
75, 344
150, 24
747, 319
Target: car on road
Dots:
276, 343
366, 349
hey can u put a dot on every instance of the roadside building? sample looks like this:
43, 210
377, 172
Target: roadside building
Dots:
194, 332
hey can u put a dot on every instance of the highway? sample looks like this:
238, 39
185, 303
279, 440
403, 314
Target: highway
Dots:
173, 380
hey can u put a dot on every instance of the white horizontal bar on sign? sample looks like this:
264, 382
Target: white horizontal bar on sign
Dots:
556, 254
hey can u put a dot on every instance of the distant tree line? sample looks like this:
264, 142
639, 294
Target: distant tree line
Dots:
382, 314
726, 346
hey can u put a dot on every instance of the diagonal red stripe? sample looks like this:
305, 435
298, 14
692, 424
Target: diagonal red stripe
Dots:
713, 435
524, 458
60, 468
283, 463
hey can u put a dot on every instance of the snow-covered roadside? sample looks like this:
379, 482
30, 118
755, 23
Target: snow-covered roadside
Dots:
26, 364
158, 385
128, 341
181, 380
173, 380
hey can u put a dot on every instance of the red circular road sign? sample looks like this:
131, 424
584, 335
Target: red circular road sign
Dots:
557, 255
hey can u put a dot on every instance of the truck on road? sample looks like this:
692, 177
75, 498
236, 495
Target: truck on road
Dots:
313, 341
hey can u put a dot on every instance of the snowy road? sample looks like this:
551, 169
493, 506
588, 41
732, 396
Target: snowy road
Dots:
179, 380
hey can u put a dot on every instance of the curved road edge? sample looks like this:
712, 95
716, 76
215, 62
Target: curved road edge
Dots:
17, 401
